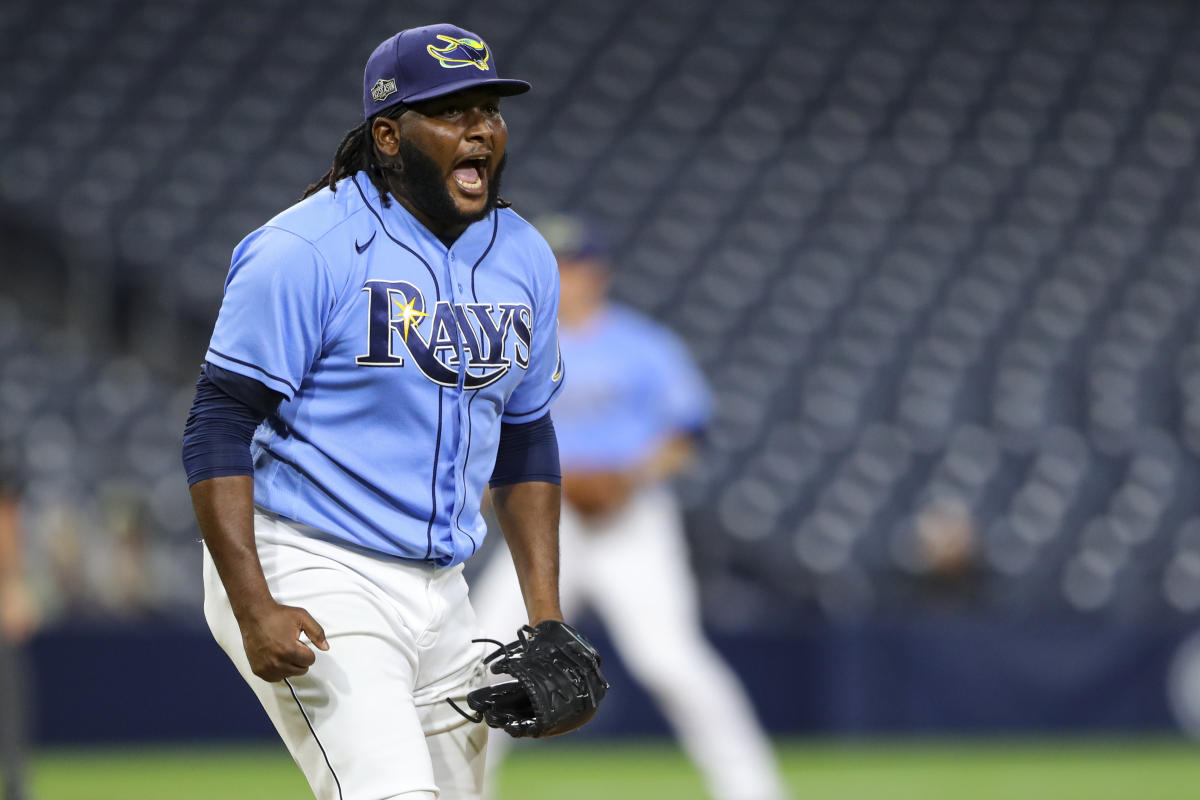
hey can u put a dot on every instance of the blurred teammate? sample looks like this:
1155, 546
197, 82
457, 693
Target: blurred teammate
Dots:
390, 344
16, 624
626, 424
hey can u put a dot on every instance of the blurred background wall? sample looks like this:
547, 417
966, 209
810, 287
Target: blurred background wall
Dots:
940, 260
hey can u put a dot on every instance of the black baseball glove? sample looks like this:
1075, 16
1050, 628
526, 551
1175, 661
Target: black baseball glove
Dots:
558, 683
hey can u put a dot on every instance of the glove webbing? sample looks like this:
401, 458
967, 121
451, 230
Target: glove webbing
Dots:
503, 651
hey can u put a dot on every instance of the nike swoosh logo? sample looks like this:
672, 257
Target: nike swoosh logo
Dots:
361, 248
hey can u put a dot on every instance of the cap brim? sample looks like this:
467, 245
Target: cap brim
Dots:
505, 87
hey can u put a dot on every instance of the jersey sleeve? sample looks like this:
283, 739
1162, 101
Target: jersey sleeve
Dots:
684, 401
277, 299
544, 377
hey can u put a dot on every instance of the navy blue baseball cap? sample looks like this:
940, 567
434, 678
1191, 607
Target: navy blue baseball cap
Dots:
423, 63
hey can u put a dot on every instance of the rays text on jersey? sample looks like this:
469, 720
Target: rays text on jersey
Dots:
438, 340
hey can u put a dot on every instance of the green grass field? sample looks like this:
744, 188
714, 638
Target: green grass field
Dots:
1051, 769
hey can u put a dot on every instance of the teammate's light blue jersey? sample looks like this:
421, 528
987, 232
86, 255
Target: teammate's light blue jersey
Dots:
633, 384
398, 360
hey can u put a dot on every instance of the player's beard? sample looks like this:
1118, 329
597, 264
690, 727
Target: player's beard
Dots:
421, 180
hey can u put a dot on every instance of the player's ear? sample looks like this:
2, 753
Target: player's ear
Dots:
386, 133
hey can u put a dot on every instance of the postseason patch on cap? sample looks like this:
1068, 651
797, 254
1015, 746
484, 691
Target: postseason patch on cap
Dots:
461, 52
383, 89
419, 64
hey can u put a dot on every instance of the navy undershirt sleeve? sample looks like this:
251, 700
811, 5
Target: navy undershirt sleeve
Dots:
528, 451
225, 412
250, 391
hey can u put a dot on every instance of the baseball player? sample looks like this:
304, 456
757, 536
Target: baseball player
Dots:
384, 349
626, 424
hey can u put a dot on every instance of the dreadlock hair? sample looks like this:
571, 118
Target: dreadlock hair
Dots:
356, 153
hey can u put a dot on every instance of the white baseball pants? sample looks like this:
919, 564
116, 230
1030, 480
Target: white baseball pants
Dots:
369, 720
633, 568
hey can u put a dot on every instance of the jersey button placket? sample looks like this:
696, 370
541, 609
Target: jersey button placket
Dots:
463, 401
457, 278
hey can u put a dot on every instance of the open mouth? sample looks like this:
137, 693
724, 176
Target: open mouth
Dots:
471, 175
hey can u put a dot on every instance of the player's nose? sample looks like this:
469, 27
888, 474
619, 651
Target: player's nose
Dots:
479, 127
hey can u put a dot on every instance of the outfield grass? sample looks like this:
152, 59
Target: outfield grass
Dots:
1054, 770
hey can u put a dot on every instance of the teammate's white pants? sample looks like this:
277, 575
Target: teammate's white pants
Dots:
369, 720
633, 568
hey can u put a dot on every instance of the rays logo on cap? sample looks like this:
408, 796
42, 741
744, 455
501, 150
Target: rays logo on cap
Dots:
383, 89
461, 53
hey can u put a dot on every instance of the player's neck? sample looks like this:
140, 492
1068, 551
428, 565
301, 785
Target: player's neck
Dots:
447, 234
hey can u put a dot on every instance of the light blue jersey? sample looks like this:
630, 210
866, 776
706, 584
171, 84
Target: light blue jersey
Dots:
633, 384
398, 360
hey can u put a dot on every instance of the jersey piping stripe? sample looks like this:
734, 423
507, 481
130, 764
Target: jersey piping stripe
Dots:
316, 738
436, 288
488, 249
467, 460
254, 367
467, 457
437, 448
437, 452
561, 380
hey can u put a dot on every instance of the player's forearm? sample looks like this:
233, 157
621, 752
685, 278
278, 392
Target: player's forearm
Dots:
528, 516
225, 510
669, 459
